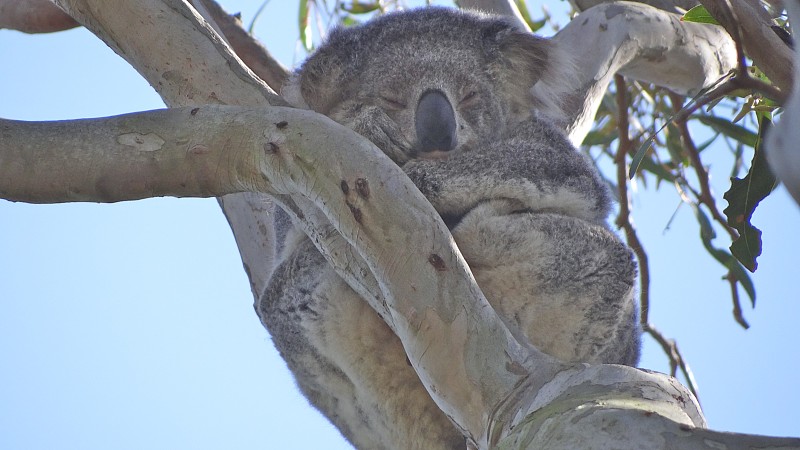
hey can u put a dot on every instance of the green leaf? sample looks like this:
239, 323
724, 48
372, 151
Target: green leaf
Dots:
305, 26
260, 9
743, 197
658, 170
731, 130
599, 137
526, 16
675, 145
699, 14
361, 8
640, 154
707, 234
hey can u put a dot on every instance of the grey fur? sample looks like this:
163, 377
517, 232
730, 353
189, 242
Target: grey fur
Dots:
526, 209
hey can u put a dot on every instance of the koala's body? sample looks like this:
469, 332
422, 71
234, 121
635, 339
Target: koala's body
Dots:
464, 104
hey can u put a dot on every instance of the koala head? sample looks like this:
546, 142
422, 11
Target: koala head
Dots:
430, 81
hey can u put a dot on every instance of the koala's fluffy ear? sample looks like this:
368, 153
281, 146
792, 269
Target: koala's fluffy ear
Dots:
534, 72
318, 85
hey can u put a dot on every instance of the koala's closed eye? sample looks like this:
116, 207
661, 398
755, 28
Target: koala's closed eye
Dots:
391, 103
468, 99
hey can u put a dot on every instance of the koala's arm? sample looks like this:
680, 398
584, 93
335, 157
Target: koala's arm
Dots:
529, 215
373, 123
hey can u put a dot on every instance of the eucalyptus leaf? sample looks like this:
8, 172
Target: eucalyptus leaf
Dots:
699, 14
304, 25
640, 154
357, 7
729, 129
743, 197
600, 137
735, 269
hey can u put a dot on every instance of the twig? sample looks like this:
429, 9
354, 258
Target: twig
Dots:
623, 218
737, 306
749, 27
251, 52
705, 196
623, 221
676, 360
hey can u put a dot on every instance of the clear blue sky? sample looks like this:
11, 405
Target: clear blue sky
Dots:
130, 326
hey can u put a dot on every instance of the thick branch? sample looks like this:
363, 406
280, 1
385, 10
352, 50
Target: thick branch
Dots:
750, 21
675, 6
781, 143
209, 151
187, 152
251, 51
643, 43
196, 68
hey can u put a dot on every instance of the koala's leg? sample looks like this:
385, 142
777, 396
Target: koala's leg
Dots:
567, 284
347, 361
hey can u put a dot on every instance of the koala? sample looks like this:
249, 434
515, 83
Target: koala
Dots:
467, 106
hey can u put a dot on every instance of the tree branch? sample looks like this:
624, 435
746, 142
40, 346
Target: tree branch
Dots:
183, 152
675, 6
623, 221
781, 142
196, 68
208, 151
705, 196
643, 43
750, 21
255, 55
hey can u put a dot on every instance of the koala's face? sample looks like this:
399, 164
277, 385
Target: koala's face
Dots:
424, 83
438, 102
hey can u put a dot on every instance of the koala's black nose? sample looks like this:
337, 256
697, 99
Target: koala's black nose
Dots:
435, 122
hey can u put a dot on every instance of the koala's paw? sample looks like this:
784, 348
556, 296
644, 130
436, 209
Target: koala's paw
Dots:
374, 124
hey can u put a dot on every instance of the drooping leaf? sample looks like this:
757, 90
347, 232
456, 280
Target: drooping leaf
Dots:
640, 154
357, 7
731, 130
735, 269
526, 16
304, 24
674, 145
260, 10
657, 169
699, 14
600, 137
348, 20
743, 197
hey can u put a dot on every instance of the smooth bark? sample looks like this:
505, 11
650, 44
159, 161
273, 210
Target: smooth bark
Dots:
642, 43
781, 144
752, 24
